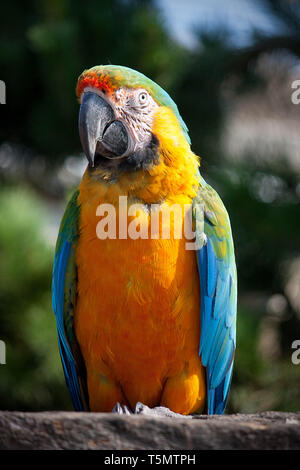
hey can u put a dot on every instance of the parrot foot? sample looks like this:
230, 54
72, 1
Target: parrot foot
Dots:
141, 409
121, 409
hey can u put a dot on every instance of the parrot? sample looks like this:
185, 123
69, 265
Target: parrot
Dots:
145, 324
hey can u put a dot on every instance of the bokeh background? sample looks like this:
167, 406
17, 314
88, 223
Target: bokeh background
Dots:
229, 66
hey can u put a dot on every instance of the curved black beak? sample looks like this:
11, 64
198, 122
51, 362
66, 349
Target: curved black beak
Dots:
100, 133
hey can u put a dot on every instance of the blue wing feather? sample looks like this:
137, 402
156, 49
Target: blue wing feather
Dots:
218, 286
63, 255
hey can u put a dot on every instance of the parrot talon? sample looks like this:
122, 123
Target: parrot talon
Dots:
157, 411
121, 409
141, 409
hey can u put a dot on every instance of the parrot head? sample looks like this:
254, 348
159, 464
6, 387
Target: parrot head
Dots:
129, 123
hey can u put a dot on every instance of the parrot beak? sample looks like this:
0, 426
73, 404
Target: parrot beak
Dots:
100, 133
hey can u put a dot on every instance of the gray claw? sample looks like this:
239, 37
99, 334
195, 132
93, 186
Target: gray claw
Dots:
141, 409
158, 411
121, 409
117, 408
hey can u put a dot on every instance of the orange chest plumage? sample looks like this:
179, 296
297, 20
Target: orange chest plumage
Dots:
138, 308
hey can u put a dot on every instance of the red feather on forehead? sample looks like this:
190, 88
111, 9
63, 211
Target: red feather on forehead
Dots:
94, 80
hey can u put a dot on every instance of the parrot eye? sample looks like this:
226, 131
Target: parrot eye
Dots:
143, 97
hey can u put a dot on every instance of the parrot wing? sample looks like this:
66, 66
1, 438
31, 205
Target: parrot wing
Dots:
64, 291
218, 286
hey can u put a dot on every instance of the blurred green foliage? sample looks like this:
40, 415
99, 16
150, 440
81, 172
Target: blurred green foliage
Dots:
32, 377
45, 45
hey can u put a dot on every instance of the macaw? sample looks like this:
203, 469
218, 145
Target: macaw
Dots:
142, 322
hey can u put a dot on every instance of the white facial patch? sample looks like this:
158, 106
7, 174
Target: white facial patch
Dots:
136, 107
